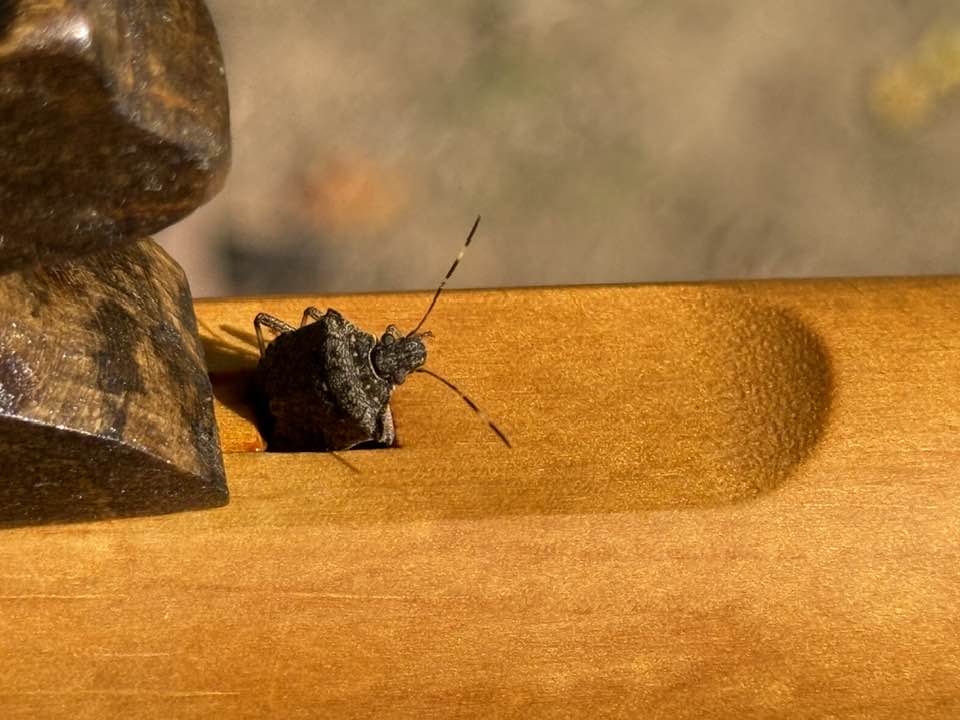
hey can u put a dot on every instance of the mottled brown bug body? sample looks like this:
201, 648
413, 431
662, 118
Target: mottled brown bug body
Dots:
327, 384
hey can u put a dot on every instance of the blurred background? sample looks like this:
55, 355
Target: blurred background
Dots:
611, 141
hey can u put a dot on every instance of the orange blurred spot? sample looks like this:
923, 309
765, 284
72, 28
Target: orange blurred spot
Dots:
352, 196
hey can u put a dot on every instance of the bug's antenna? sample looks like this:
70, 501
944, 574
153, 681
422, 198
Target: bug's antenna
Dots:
468, 401
449, 273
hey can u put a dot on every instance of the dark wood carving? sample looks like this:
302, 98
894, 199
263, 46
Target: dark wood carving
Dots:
105, 403
113, 122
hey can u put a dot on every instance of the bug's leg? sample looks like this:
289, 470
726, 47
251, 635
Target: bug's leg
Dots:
275, 324
337, 456
311, 313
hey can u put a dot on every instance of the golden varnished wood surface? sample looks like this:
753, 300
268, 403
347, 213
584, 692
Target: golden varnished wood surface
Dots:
724, 500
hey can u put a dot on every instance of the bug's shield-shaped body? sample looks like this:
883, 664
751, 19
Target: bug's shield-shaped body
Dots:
319, 389
326, 385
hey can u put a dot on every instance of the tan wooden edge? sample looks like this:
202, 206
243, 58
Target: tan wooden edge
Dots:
724, 500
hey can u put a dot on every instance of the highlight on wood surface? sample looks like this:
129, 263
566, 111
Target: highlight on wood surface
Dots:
724, 500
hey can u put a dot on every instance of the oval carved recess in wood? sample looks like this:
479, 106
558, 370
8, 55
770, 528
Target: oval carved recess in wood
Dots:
615, 399
114, 122
106, 409
705, 397
733, 395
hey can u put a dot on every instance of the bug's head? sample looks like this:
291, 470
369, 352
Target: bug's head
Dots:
395, 356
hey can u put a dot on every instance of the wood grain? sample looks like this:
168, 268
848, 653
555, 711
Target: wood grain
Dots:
106, 409
725, 500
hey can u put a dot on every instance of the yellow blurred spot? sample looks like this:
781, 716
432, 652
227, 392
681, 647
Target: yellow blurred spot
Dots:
939, 60
906, 93
901, 98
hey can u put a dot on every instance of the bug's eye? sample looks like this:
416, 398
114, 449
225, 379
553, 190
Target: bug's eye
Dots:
388, 339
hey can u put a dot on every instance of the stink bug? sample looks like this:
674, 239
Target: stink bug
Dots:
326, 384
